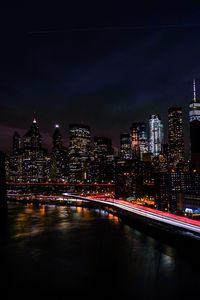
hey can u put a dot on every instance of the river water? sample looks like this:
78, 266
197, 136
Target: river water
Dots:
60, 252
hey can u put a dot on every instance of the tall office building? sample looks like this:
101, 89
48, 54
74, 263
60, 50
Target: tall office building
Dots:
3, 193
57, 138
175, 136
29, 161
14, 161
102, 147
59, 159
79, 152
2, 178
139, 141
16, 143
32, 139
194, 119
156, 134
103, 163
125, 146
33, 155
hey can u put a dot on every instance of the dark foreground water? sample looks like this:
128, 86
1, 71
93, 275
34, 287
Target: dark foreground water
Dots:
50, 252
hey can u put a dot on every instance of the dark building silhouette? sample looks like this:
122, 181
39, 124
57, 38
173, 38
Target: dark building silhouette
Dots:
57, 138
102, 147
59, 162
128, 178
16, 143
103, 160
170, 184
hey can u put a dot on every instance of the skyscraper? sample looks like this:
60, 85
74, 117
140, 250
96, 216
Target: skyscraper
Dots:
175, 136
103, 163
3, 196
194, 119
102, 147
2, 178
139, 141
57, 138
125, 146
156, 135
79, 152
16, 143
32, 139
14, 161
33, 155
58, 162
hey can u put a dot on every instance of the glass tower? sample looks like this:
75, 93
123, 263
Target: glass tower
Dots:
175, 136
156, 135
194, 119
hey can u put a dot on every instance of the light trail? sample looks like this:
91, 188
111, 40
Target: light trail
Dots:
153, 214
161, 217
164, 217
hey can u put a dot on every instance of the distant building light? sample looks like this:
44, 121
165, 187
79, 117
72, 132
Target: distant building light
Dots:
189, 210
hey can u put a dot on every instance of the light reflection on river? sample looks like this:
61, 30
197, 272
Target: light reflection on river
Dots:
59, 251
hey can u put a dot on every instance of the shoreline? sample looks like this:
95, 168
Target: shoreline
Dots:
184, 242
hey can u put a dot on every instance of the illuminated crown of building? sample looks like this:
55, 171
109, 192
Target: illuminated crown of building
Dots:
194, 113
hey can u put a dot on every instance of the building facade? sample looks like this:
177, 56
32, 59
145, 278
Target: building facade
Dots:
156, 134
194, 119
79, 153
175, 136
125, 146
139, 141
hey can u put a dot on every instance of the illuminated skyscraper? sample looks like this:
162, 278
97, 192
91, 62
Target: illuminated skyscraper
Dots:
2, 178
139, 141
58, 162
175, 135
14, 161
3, 196
33, 155
194, 119
79, 152
32, 139
28, 161
125, 146
156, 135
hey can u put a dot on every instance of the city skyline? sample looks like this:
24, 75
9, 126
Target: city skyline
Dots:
65, 133
100, 149
106, 70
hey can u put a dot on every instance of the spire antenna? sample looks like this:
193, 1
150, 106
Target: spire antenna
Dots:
194, 91
34, 117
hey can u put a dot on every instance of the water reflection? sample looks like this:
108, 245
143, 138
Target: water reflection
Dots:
42, 210
60, 251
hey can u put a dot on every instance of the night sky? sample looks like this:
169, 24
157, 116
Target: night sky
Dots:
106, 66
